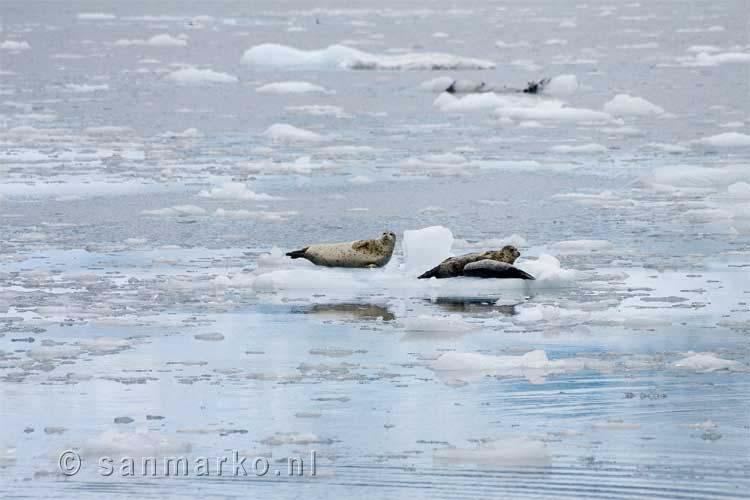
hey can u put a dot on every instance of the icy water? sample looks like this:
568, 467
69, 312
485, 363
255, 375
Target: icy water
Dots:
158, 159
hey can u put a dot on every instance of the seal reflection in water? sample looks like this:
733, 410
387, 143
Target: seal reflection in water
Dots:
489, 264
376, 252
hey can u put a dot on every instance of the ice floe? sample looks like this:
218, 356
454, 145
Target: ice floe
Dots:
343, 57
512, 452
283, 132
161, 40
290, 87
236, 191
196, 76
627, 105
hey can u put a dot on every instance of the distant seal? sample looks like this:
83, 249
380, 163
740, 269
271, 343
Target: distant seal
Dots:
493, 269
472, 87
361, 253
454, 266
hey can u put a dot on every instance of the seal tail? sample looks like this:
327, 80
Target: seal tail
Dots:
296, 254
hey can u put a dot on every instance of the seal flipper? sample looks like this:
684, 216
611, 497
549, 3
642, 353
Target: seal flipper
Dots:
296, 254
429, 274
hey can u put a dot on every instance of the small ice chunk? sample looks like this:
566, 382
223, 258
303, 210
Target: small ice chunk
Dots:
506, 452
283, 132
726, 140
706, 362
561, 86
426, 248
624, 104
290, 87
195, 76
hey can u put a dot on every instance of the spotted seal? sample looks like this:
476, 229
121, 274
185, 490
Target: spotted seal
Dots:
454, 266
376, 252
493, 269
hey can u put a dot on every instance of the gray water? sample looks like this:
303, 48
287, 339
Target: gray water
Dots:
114, 303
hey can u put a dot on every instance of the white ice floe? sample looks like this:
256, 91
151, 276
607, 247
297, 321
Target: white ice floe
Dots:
726, 140
561, 86
739, 190
196, 76
303, 165
83, 88
706, 59
161, 40
438, 84
290, 87
13, 45
691, 179
296, 438
236, 191
627, 105
177, 210
190, 133
133, 444
283, 132
580, 149
95, 16
360, 180
534, 365
426, 248
706, 362
514, 452
343, 57
320, 110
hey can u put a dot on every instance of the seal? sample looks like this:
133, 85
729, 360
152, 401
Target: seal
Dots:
376, 252
454, 266
493, 269
472, 87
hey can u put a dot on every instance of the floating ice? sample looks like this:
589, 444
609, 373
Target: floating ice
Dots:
582, 149
616, 425
133, 444
13, 45
561, 85
283, 132
705, 59
162, 40
290, 87
95, 16
340, 56
514, 452
82, 88
726, 140
624, 104
195, 76
426, 248
320, 110
438, 84
297, 438
706, 362
177, 210
236, 191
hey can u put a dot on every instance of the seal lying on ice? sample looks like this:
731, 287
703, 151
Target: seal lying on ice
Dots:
361, 253
493, 269
472, 87
456, 266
